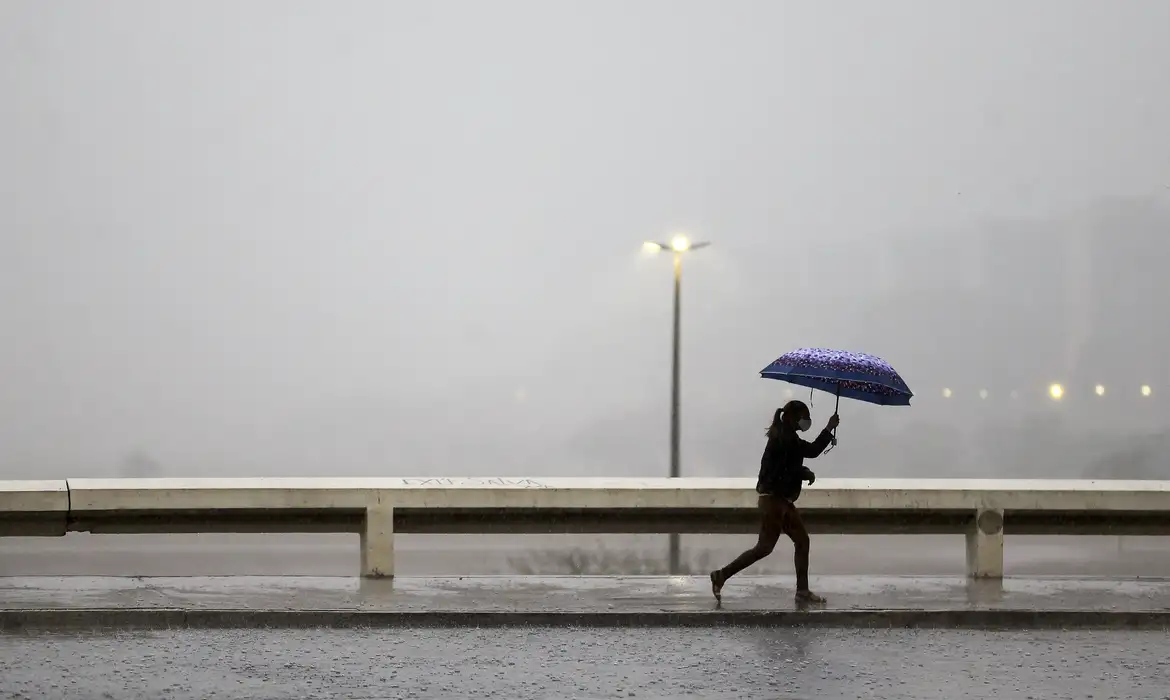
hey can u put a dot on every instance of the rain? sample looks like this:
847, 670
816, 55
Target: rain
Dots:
409, 239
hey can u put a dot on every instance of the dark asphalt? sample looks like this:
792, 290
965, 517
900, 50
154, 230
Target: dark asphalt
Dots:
543, 663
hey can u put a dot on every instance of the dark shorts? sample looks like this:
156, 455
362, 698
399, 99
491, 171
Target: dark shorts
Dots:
780, 511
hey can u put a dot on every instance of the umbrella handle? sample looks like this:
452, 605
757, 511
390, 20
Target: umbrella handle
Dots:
836, 410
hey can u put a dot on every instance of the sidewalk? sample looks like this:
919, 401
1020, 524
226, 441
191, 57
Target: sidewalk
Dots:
80, 602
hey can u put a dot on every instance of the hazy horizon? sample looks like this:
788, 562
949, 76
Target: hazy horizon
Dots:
398, 238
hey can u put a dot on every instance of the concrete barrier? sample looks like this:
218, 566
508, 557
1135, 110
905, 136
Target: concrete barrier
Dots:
981, 509
33, 508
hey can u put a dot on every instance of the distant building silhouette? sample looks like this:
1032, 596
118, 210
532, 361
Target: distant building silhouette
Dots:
139, 465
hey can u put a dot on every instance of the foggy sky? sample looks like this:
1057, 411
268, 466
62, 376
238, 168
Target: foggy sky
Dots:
404, 237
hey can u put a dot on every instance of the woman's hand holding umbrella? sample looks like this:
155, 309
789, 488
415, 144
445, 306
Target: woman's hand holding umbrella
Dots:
831, 426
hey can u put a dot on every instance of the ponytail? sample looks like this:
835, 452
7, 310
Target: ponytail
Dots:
777, 419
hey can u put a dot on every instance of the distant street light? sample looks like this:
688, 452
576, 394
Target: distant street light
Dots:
678, 245
1146, 390
1100, 389
1056, 391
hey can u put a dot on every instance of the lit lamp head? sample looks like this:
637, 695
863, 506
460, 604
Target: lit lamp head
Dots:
1056, 391
679, 244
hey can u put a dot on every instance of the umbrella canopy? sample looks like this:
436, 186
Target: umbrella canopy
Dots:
852, 375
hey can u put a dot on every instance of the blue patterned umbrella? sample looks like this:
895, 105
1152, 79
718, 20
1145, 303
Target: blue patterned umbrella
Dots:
853, 375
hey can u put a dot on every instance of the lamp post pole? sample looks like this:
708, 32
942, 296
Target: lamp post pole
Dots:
675, 469
678, 245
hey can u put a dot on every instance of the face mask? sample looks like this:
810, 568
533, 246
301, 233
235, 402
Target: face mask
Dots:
804, 424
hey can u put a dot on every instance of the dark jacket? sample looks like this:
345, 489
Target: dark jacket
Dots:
782, 467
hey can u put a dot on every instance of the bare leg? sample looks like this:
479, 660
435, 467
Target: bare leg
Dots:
771, 526
794, 528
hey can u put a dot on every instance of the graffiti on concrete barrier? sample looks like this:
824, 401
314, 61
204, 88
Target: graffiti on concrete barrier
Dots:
495, 481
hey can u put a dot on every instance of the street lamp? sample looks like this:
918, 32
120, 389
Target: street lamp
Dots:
678, 245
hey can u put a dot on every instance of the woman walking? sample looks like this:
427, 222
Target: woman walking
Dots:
782, 471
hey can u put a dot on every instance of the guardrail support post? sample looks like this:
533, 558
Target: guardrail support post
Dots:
985, 544
378, 543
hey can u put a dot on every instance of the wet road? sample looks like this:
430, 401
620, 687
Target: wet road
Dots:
587, 663
569, 596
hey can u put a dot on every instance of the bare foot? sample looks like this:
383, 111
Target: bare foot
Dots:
809, 597
717, 582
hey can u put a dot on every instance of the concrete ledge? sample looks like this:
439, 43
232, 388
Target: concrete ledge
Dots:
33, 508
1029, 495
57, 620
